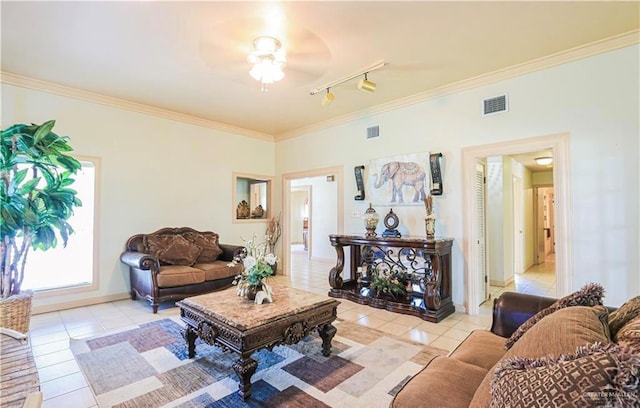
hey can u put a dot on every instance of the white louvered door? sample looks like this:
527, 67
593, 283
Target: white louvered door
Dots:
480, 239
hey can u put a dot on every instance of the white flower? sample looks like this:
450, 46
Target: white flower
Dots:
271, 259
249, 262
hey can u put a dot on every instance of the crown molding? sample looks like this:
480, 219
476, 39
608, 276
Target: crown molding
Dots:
61, 90
608, 44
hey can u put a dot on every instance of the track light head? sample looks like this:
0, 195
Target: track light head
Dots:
328, 98
365, 85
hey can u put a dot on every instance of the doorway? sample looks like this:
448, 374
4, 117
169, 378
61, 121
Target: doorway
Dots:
321, 215
545, 249
559, 146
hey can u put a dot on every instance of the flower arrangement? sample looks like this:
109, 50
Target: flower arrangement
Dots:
258, 266
392, 283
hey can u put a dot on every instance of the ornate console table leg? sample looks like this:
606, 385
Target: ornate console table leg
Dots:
432, 288
244, 369
335, 280
326, 334
190, 336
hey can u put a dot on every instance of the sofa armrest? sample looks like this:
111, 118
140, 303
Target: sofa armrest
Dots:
140, 260
229, 252
511, 309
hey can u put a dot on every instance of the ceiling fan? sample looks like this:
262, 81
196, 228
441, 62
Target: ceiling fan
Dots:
239, 51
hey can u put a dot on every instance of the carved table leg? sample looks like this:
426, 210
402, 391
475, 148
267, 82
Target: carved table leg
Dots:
432, 287
244, 368
335, 280
326, 333
190, 336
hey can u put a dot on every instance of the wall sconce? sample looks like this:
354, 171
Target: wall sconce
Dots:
366, 85
543, 161
328, 98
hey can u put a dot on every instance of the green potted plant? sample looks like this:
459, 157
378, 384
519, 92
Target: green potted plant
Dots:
390, 283
35, 203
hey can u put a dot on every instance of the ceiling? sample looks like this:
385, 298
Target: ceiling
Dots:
191, 57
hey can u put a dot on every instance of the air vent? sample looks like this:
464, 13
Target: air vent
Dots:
495, 105
373, 132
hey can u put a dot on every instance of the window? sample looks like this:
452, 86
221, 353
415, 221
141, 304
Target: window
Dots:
73, 265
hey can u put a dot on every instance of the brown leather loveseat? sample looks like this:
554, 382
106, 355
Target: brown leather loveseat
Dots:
174, 263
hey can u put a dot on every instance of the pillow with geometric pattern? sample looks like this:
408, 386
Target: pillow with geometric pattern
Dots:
596, 375
208, 241
629, 334
589, 295
179, 252
625, 313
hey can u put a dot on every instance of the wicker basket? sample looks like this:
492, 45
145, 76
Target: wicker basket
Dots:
15, 312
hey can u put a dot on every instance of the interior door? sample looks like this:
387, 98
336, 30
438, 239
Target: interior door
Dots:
480, 239
518, 222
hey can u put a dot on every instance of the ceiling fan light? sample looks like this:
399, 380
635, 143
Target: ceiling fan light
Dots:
267, 61
366, 85
543, 161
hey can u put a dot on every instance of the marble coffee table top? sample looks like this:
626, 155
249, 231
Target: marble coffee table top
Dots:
239, 312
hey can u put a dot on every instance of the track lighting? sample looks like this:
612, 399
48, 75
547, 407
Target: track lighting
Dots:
366, 85
328, 98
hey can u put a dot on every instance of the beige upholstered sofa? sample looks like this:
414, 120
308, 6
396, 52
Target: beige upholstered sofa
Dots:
174, 263
481, 373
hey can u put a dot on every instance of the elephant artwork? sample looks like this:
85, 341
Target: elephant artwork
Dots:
402, 174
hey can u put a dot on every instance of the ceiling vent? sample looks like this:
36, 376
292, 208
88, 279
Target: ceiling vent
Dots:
373, 132
495, 105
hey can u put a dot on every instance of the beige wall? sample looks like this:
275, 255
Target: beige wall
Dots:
159, 172
155, 173
603, 158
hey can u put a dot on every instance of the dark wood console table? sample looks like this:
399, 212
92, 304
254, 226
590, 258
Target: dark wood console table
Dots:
427, 262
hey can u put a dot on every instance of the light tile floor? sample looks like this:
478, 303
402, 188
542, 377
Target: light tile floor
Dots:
62, 382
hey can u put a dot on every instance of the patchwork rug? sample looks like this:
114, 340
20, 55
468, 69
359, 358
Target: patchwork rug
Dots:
148, 367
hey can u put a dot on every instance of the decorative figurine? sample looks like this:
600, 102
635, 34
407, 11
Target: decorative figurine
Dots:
243, 210
430, 218
258, 212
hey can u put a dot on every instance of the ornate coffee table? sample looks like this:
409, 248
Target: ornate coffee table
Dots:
234, 323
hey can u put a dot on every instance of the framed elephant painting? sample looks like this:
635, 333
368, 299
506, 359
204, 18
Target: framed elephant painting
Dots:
399, 180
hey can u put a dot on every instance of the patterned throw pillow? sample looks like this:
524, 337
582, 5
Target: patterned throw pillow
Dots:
179, 252
590, 295
629, 334
596, 375
627, 312
208, 241
154, 243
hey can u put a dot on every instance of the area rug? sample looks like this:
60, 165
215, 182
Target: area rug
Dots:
148, 367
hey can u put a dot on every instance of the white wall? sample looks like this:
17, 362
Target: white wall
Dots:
595, 100
298, 200
155, 173
323, 220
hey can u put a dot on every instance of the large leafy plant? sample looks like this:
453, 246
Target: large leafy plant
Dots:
35, 198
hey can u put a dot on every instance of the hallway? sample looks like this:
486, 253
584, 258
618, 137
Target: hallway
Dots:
537, 280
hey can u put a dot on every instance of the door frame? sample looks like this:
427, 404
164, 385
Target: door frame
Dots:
338, 172
518, 224
559, 145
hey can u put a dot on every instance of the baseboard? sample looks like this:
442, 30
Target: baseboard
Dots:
78, 303
460, 309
